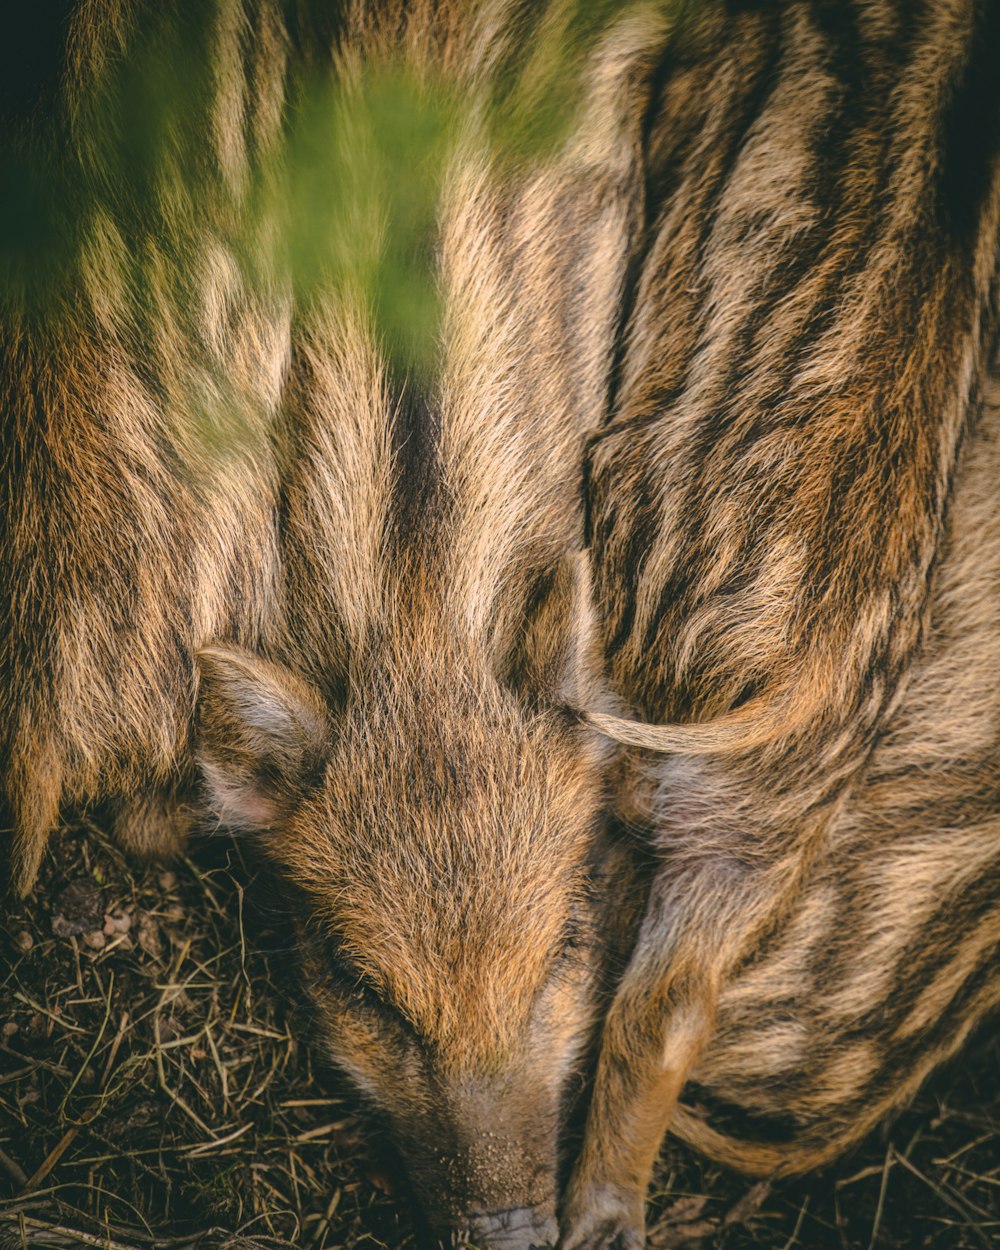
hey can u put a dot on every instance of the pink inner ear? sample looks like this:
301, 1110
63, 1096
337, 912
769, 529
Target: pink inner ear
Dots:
238, 802
257, 811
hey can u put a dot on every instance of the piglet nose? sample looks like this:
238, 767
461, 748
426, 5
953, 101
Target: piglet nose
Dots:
518, 1228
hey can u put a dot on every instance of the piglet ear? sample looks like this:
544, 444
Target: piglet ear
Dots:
261, 735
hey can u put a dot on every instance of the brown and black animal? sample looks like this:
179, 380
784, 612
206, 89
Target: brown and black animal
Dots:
132, 346
888, 960
795, 554
383, 582
413, 770
761, 271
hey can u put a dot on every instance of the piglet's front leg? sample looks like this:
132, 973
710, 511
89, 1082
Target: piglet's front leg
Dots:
697, 925
648, 1050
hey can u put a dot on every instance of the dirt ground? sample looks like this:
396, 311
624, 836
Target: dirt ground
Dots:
154, 1092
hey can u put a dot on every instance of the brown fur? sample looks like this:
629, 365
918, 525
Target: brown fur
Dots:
805, 351
436, 839
768, 293
813, 1044
387, 570
126, 537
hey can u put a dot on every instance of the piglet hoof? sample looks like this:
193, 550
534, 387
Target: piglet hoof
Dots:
603, 1217
153, 826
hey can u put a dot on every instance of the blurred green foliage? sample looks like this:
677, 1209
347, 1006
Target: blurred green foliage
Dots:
358, 198
345, 200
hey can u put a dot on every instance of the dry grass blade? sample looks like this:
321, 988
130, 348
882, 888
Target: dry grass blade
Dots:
67, 1138
185, 1113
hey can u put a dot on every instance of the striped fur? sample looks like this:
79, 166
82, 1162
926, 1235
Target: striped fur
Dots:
801, 360
382, 580
888, 961
426, 800
761, 276
126, 536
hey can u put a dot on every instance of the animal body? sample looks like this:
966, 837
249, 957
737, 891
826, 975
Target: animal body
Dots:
892, 946
416, 780
125, 538
784, 507
731, 335
384, 591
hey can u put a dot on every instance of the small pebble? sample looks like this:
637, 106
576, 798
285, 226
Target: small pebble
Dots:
8, 1030
167, 880
95, 940
149, 935
24, 941
120, 922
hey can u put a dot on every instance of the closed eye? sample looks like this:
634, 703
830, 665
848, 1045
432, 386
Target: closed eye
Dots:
355, 982
362, 988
